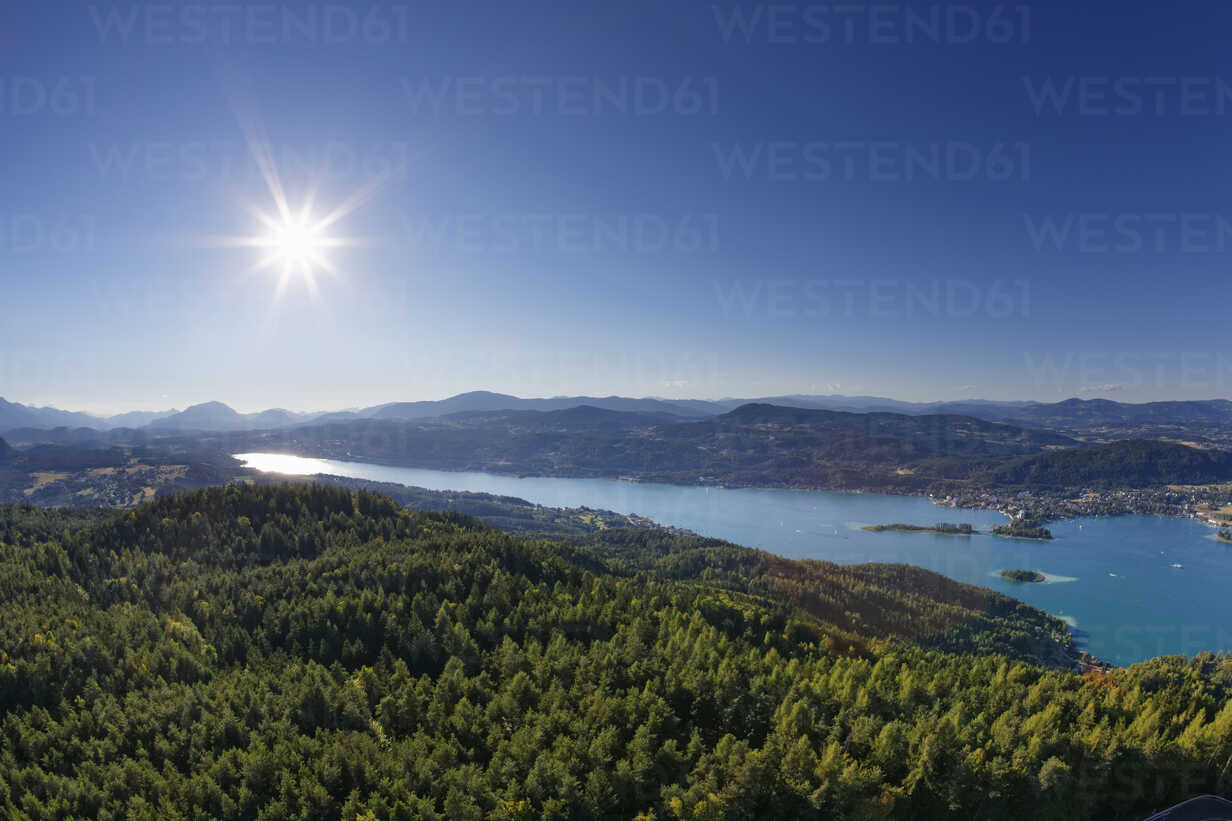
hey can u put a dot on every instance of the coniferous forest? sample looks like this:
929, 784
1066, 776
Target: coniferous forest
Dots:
313, 653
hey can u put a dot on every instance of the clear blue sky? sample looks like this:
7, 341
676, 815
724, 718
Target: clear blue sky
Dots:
686, 199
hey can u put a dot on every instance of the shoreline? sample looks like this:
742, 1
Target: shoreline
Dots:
1042, 507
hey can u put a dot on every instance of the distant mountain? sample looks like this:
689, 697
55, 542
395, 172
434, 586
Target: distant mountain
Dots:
275, 418
136, 419
7, 452
486, 401
16, 415
582, 417
215, 416
1203, 420
982, 408
206, 416
473, 401
1098, 412
835, 402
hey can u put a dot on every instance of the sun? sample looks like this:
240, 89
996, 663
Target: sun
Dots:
295, 242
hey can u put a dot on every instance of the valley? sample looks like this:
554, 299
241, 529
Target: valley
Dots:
209, 640
627, 411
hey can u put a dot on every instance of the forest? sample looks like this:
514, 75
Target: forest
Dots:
1129, 463
1023, 529
271, 652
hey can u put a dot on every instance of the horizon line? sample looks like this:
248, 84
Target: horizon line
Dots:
105, 415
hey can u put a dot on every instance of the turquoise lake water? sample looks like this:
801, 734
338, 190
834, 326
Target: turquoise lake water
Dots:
1111, 578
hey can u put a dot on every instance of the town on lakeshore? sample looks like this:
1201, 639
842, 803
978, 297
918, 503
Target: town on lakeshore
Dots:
1211, 505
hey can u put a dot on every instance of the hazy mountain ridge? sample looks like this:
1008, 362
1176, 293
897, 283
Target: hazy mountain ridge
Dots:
16, 415
1206, 421
755, 445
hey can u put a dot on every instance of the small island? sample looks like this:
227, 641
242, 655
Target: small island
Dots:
1224, 534
946, 528
1023, 529
1022, 576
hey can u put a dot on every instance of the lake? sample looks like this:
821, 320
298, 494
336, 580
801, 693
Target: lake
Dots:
1112, 579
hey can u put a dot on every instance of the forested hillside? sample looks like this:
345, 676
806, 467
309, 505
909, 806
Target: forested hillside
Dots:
852, 607
309, 652
1127, 464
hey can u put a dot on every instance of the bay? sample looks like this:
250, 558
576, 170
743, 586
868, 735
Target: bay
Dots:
1113, 579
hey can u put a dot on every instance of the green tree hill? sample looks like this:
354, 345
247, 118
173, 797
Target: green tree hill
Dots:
1022, 575
308, 652
1023, 529
947, 528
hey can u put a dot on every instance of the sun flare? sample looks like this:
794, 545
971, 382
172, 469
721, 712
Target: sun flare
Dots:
295, 242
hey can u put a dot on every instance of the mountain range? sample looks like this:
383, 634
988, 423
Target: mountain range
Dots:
1201, 418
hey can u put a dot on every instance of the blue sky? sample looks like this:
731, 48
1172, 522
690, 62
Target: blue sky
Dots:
685, 199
